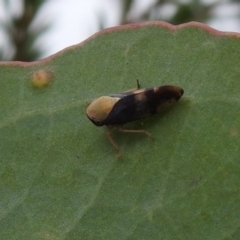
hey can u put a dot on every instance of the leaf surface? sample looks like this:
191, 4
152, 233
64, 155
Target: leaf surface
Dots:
59, 175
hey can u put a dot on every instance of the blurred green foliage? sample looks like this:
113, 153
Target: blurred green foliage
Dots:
21, 31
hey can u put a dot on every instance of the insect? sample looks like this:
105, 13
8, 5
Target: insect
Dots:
115, 110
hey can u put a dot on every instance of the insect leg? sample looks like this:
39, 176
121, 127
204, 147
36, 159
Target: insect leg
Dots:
109, 131
121, 129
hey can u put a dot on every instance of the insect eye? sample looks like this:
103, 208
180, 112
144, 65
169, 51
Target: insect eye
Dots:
97, 122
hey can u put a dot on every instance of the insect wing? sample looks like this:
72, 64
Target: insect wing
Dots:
141, 103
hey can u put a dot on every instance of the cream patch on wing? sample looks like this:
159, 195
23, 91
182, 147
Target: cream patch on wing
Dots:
101, 107
140, 97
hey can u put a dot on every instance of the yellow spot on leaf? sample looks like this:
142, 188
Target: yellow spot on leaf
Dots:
41, 78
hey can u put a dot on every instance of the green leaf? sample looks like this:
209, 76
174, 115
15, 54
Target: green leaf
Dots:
59, 175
